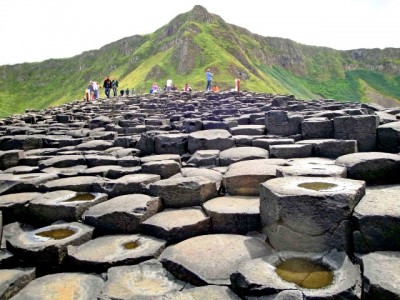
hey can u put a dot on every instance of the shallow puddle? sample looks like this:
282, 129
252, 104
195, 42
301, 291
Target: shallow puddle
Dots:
317, 186
130, 245
81, 197
28, 177
305, 273
57, 234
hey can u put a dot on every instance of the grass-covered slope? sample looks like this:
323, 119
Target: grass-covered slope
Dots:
192, 42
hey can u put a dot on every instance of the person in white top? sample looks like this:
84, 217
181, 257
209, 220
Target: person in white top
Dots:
95, 89
169, 85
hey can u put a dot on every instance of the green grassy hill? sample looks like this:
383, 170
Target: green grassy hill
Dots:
192, 42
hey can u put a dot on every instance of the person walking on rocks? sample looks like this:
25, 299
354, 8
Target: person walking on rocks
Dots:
91, 91
169, 85
107, 85
115, 87
209, 77
95, 89
154, 88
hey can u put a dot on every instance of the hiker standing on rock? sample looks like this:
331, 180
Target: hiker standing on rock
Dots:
95, 89
91, 91
115, 87
209, 77
107, 85
169, 85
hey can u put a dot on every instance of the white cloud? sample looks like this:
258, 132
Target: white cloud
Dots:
43, 29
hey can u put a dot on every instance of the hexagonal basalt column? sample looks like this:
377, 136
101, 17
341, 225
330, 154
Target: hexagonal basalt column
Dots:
244, 178
381, 275
13, 280
217, 139
114, 250
210, 259
360, 128
183, 192
63, 286
147, 280
377, 220
234, 214
278, 122
309, 214
47, 246
63, 205
314, 276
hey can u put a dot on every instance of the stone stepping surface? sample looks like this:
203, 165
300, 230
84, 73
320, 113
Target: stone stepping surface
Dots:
211, 292
199, 172
63, 286
381, 285
210, 259
377, 220
47, 246
129, 184
184, 191
372, 167
234, 214
330, 148
100, 254
146, 280
14, 280
14, 207
123, 214
244, 178
22, 183
213, 175
175, 225
311, 170
230, 156
63, 205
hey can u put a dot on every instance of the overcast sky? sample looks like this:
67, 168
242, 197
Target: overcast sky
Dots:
35, 30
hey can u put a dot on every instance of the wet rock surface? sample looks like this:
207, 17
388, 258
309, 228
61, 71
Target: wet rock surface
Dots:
100, 254
266, 276
182, 168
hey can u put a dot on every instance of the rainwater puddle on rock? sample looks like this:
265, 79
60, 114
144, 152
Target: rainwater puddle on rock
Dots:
81, 197
130, 245
57, 234
305, 273
28, 177
317, 186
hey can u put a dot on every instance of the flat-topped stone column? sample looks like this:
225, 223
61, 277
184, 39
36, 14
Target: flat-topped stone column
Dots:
309, 213
360, 128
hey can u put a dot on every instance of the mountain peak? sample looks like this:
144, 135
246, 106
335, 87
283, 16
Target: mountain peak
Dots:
200, 14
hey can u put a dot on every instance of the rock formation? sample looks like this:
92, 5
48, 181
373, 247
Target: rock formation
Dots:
200, 189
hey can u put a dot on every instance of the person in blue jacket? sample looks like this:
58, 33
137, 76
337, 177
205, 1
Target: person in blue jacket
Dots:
209, 77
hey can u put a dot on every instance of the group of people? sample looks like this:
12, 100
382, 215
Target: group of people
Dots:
92, 91
112, 85
109, 85
169, 87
